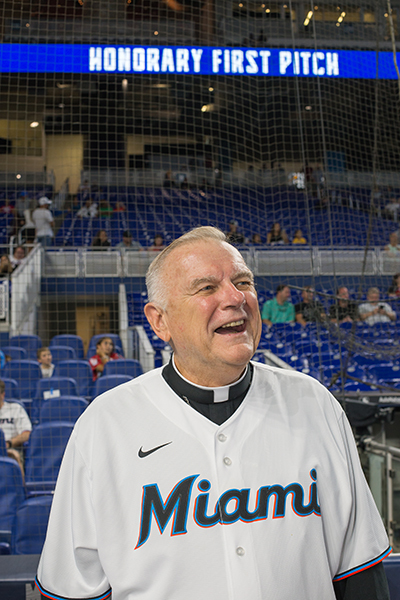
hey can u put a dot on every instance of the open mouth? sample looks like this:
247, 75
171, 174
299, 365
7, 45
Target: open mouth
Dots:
232, 327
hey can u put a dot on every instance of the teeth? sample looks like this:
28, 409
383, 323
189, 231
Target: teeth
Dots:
233, 324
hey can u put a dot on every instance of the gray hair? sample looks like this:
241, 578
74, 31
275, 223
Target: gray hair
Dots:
155, 289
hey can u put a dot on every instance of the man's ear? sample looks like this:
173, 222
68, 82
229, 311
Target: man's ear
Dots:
156, 317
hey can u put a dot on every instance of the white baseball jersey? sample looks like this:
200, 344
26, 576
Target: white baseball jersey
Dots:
13, 420
154, 501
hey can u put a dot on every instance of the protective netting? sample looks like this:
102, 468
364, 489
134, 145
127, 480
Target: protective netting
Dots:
277, 122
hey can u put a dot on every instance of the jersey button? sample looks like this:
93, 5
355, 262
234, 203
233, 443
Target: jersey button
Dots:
240, 551
227, 461
222, 437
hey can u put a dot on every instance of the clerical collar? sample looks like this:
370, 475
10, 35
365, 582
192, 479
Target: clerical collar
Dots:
206, 395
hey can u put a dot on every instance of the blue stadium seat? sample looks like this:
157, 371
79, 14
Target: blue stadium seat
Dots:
51, 387
123, 366
80, 370
66, 339
60, 353
384, 373
16, 352
64, 408
356, 386
107, 382
44, 453
27, 373
30, 526
12, 388
31, 343
3, 447
12, 494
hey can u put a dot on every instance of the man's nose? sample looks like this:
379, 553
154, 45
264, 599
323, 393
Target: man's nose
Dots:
231, 296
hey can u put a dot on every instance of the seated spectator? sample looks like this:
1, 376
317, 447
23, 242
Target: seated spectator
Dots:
119, 207
168, 180
394, 289
84, 189
128, 243
44, 359
277, 235
279, 309
392, 208
309, 310
16, 426
101, 240
256, 239
104, 353
373, 311
88, 210
298, 237
392, 248
184, 184
344, 310
6, 267
18, 256
158, 243
233, 235
105, 209
7, 208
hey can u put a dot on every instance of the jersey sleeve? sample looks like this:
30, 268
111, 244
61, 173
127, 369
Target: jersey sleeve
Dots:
70, 566
365, 542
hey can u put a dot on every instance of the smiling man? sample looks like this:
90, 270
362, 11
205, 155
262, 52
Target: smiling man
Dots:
212, 477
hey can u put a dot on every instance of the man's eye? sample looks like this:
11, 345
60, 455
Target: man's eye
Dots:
244, 284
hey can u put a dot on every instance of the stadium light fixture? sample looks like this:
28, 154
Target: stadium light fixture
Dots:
34, 124
308, 18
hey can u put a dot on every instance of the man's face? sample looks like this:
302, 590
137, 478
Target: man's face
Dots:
283, 295
127, 241
343, 294
373, 297
308, 295
212, 319
103, 236
393, 239
19, 253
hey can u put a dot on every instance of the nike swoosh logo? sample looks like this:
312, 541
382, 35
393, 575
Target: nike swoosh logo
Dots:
143, 453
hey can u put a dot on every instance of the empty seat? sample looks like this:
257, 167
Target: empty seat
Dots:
123, 366
27, 373
107, 382
3, 447
67, 339
15, 352
60, 353
384, 372
12, 388
64, 408
51, 387
44, 453
80, 370
12, 494
30, 525
31, 343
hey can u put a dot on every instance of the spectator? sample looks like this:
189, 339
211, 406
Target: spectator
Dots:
392, 249
104, 353
119, 207
158, 243
298, 237
394, 289
168, 180
43, 221
44, 359
105, 210
18, 256
101, 240
309, 310
392, 208
88, 210
277, 235
7, 208
344, 310
233, 235
279, 309
256, 239
5, 265
84, 189
128, 243
16, 426
373, 311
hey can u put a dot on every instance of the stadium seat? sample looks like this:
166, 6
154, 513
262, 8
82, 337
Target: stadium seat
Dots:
80, 370
356, 386
15, 352
31, 343
3, 447
74, 341
44, 453
51, 387
12, 388
60, 353
107, 382
12, 494
123, 366
30, 527
384, 373
64, 408
27, 373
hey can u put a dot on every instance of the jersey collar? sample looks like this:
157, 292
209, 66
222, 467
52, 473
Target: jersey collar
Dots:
206, 395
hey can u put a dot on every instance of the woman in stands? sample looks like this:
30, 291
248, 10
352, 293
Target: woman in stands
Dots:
277, 235
101, 240
394, 289
5, 266
104, 353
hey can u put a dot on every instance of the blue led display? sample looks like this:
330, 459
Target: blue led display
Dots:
195, 60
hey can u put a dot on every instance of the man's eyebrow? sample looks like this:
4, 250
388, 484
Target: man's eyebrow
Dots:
199, 281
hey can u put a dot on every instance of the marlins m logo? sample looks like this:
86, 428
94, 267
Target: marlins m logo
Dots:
231, 506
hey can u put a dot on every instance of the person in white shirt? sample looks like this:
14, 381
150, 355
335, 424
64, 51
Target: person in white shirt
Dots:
15, 425
43, 220
44, 359
373, 311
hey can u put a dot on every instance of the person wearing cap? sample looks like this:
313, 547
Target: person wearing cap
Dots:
43, 221
128, 243
234, 236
